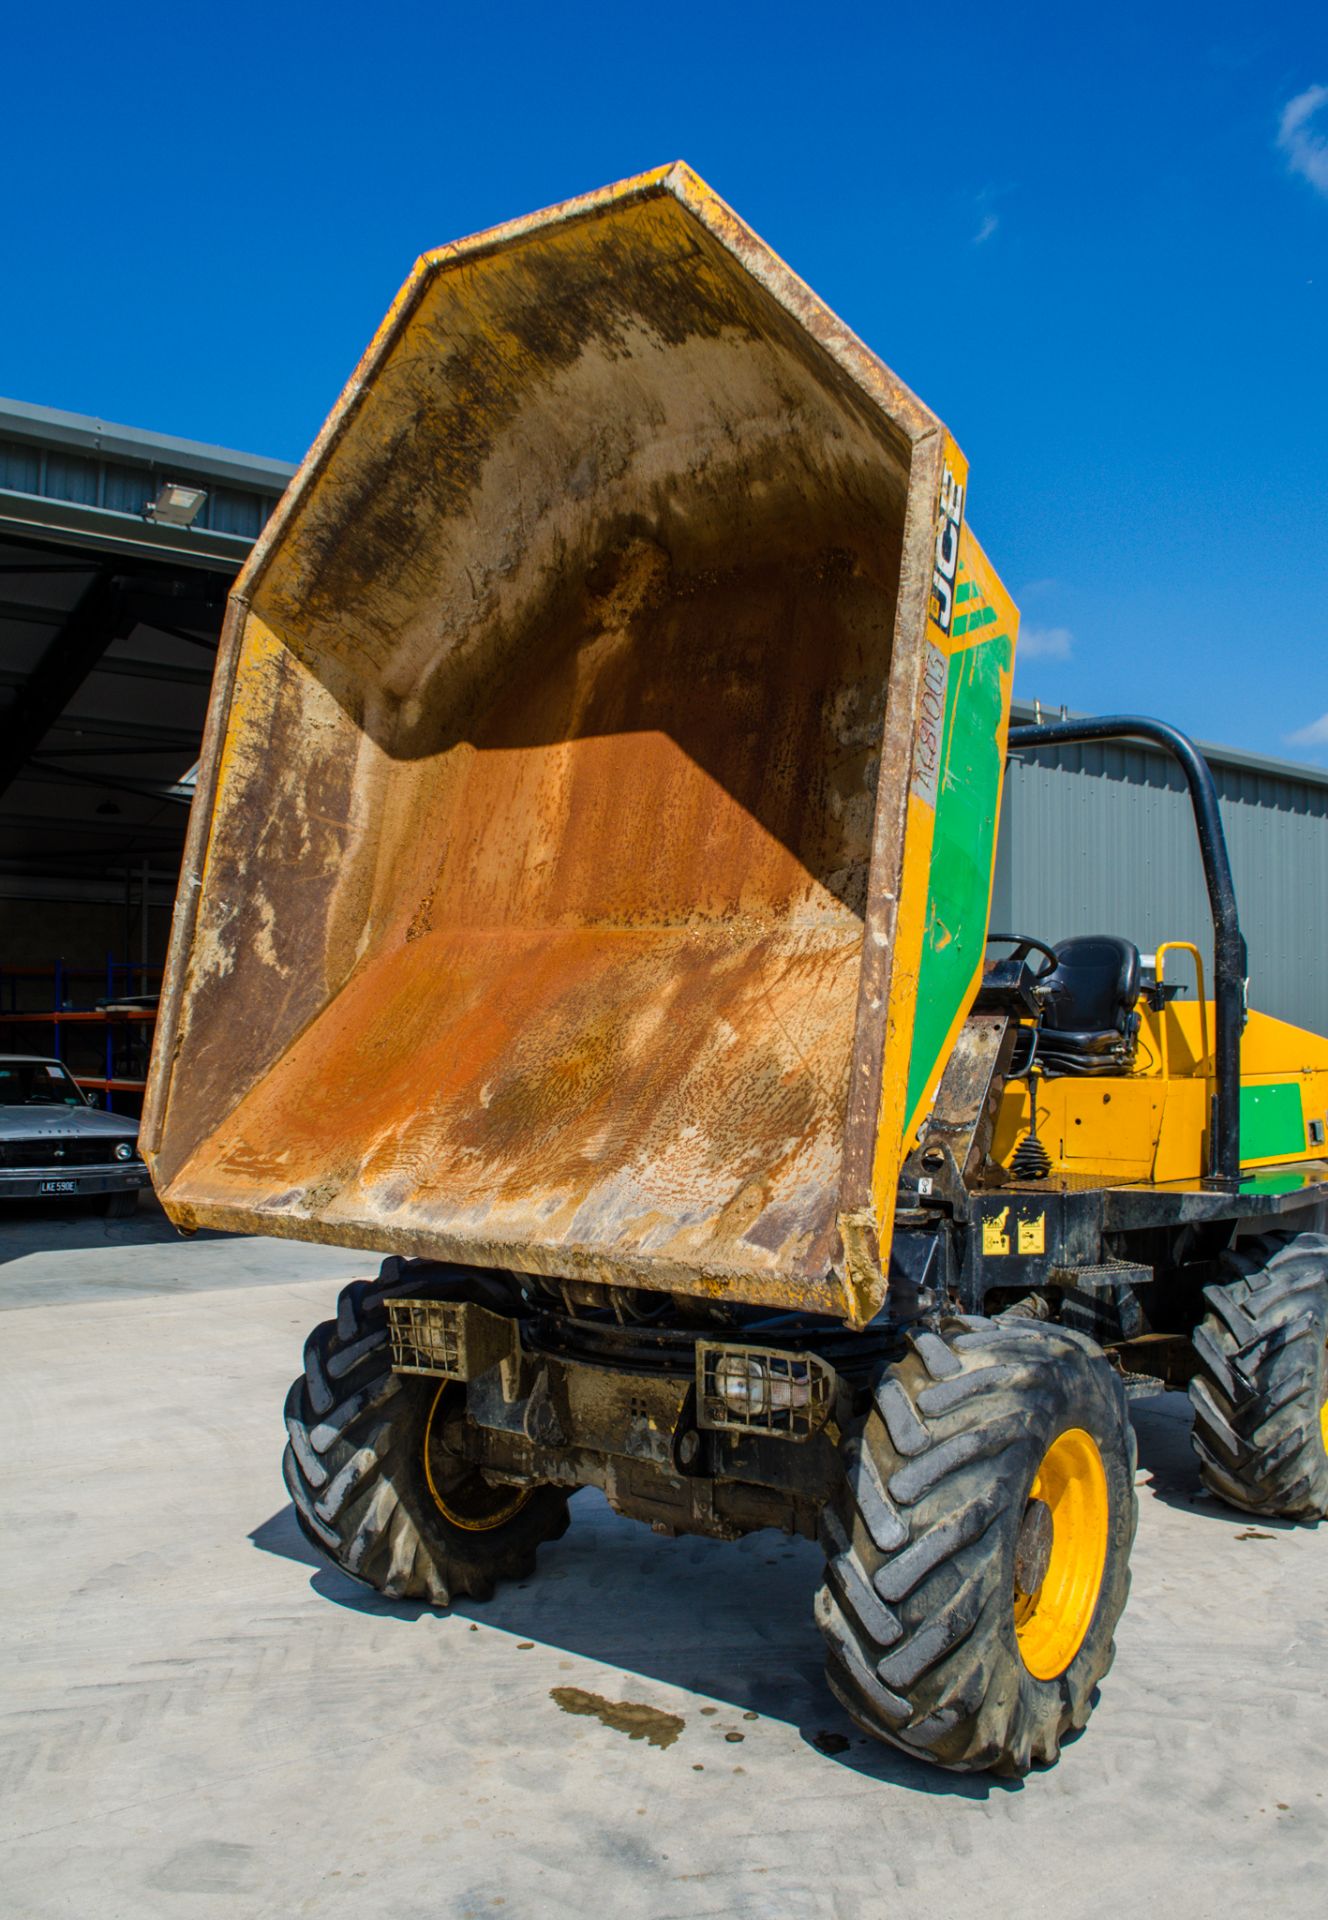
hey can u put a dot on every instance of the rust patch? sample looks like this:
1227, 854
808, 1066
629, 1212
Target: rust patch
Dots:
632, 1717
559, 948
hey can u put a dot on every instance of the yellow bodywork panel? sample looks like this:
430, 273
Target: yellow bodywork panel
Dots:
1152, 1124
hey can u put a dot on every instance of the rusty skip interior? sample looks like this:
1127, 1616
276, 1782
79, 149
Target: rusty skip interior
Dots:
531, 922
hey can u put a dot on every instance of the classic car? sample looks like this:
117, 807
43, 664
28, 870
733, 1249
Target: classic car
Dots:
54, 1144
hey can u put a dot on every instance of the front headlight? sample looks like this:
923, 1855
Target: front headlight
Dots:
762, 1390
749, 1385
124, 1150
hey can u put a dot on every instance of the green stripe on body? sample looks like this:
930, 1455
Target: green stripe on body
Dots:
1272, 1121
959, 883
970, 622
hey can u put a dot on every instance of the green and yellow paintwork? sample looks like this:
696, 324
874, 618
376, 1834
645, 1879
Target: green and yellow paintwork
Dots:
950, 846
1152, 1124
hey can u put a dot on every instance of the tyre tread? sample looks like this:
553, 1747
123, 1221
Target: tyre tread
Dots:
919, 1633
1261, 1373
344, 1419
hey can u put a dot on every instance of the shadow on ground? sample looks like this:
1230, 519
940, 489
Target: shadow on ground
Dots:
75, 1226
73, 1256
730, 1622
1162, 1424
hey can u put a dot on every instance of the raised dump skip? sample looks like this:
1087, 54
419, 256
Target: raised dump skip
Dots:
530, 916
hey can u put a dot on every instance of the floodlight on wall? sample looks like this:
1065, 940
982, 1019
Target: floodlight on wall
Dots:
176, 505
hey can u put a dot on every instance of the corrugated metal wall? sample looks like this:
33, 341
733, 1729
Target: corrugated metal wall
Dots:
1101, 839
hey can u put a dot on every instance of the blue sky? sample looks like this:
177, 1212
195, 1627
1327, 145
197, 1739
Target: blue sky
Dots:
1096, 244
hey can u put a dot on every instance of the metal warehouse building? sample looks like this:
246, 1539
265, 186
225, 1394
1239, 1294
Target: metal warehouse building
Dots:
1101, 839
116, 551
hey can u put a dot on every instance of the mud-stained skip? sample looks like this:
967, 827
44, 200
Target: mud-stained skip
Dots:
632, 1717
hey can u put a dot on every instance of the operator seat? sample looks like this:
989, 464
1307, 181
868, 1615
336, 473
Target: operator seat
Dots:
1090, 1023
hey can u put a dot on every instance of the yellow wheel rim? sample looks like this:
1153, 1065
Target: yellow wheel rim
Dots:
1051, 1622
1323, 1424
474, 1504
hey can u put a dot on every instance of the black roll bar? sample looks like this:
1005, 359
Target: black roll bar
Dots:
1230, 960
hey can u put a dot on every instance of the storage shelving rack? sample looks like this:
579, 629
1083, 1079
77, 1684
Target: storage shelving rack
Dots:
121, 978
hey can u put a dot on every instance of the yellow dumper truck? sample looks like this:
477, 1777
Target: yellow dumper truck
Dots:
586, 904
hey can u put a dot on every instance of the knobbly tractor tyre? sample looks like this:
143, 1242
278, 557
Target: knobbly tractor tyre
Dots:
979, 1549
378, 1483
1260, 1394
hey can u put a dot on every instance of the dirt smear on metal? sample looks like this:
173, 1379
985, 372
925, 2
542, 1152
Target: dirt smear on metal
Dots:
632, 1717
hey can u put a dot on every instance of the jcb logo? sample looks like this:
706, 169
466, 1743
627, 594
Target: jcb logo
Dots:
949, 519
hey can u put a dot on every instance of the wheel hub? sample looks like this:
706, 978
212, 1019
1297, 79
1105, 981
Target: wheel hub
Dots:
1061, 1554
461, 1492
1032, 1554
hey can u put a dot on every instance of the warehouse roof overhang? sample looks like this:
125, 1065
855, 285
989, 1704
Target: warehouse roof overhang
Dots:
117, 550
1260, 772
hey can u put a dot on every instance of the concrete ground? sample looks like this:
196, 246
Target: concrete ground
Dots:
201, 1720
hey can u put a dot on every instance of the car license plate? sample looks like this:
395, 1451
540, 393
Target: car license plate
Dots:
57, 1186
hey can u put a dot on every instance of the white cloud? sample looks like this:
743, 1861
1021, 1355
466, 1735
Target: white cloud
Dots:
986, 203
1306, 151
1314, 735
1045, 643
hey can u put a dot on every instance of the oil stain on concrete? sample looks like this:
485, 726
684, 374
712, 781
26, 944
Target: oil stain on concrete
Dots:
632, 1717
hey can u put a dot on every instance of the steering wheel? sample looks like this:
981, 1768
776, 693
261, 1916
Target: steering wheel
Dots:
1024, 944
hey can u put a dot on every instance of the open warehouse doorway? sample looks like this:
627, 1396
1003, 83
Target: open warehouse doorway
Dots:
117, 549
